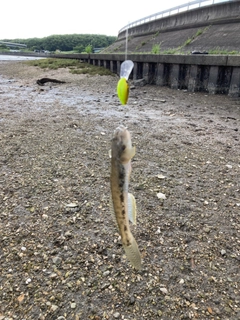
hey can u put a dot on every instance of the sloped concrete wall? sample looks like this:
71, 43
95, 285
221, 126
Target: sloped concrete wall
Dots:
215, 14
212, 28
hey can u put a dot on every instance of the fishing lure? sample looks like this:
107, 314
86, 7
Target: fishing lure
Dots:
123, 86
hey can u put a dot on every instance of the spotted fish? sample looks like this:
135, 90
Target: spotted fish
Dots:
124, 205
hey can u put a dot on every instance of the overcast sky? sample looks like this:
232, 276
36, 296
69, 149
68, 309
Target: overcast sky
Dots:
29, 19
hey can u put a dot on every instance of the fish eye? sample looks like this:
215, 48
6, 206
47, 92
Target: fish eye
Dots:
123, 147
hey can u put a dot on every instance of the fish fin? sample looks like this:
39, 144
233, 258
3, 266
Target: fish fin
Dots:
133, 254
110, 153
133, 152
132, 209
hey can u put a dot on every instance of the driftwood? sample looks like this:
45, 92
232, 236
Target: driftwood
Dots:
41, 82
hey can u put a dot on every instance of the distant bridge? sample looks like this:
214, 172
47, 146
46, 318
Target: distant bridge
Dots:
13, 45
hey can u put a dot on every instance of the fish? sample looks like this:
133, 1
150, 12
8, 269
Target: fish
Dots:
123, 203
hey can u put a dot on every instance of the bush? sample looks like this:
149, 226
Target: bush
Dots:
156, 49
89, 48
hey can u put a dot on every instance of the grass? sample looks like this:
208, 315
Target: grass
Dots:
87, 68
225, 52
187, 42
75, 66
155, 49
53, 64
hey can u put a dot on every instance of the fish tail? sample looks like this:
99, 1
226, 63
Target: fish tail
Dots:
133, 254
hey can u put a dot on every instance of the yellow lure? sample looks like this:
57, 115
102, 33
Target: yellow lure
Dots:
123, 90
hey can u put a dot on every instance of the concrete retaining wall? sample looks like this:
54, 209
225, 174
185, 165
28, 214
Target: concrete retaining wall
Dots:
227, 12
213, 74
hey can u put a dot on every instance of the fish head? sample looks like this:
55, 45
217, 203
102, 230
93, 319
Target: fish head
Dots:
122, 145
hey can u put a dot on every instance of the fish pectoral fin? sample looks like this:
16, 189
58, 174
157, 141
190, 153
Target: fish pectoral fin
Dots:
133, 254
133, 152
132, 209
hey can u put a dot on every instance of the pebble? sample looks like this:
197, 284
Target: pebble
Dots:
56, 260
68, 234
132, 300
164, 290
73, 305
54, 307
116, 315
161, 196
53, 275
206, 229
223, 252
72, 205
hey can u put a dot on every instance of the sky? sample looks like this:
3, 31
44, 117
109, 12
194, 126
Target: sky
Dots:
22, 19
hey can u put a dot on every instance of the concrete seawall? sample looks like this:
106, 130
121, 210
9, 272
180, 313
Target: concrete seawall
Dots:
219, 13
214, 27
212, 74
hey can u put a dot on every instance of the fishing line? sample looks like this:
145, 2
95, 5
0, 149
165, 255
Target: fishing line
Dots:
126, 45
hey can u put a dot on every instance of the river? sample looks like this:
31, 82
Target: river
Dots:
16, 58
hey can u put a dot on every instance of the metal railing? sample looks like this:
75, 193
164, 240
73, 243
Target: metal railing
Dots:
181, 8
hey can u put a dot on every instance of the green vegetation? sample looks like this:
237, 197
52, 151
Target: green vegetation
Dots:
68, 42
170, 51
155, 49
141, 45
89, 49
3, 48
54, 63
187, 42
75, 66
219, 51
200, 31
178, 50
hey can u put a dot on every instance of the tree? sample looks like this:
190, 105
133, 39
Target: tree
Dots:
68, 42
89, 48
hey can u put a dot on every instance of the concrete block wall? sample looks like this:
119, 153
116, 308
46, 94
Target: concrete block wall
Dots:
216, 74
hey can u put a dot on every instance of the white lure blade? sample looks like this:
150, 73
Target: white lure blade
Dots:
126, 69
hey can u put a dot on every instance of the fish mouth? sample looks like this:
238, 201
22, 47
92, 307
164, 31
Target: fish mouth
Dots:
120, 129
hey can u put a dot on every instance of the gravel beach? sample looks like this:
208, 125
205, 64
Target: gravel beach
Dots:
61, 255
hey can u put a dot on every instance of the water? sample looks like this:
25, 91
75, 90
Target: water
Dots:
17, 58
